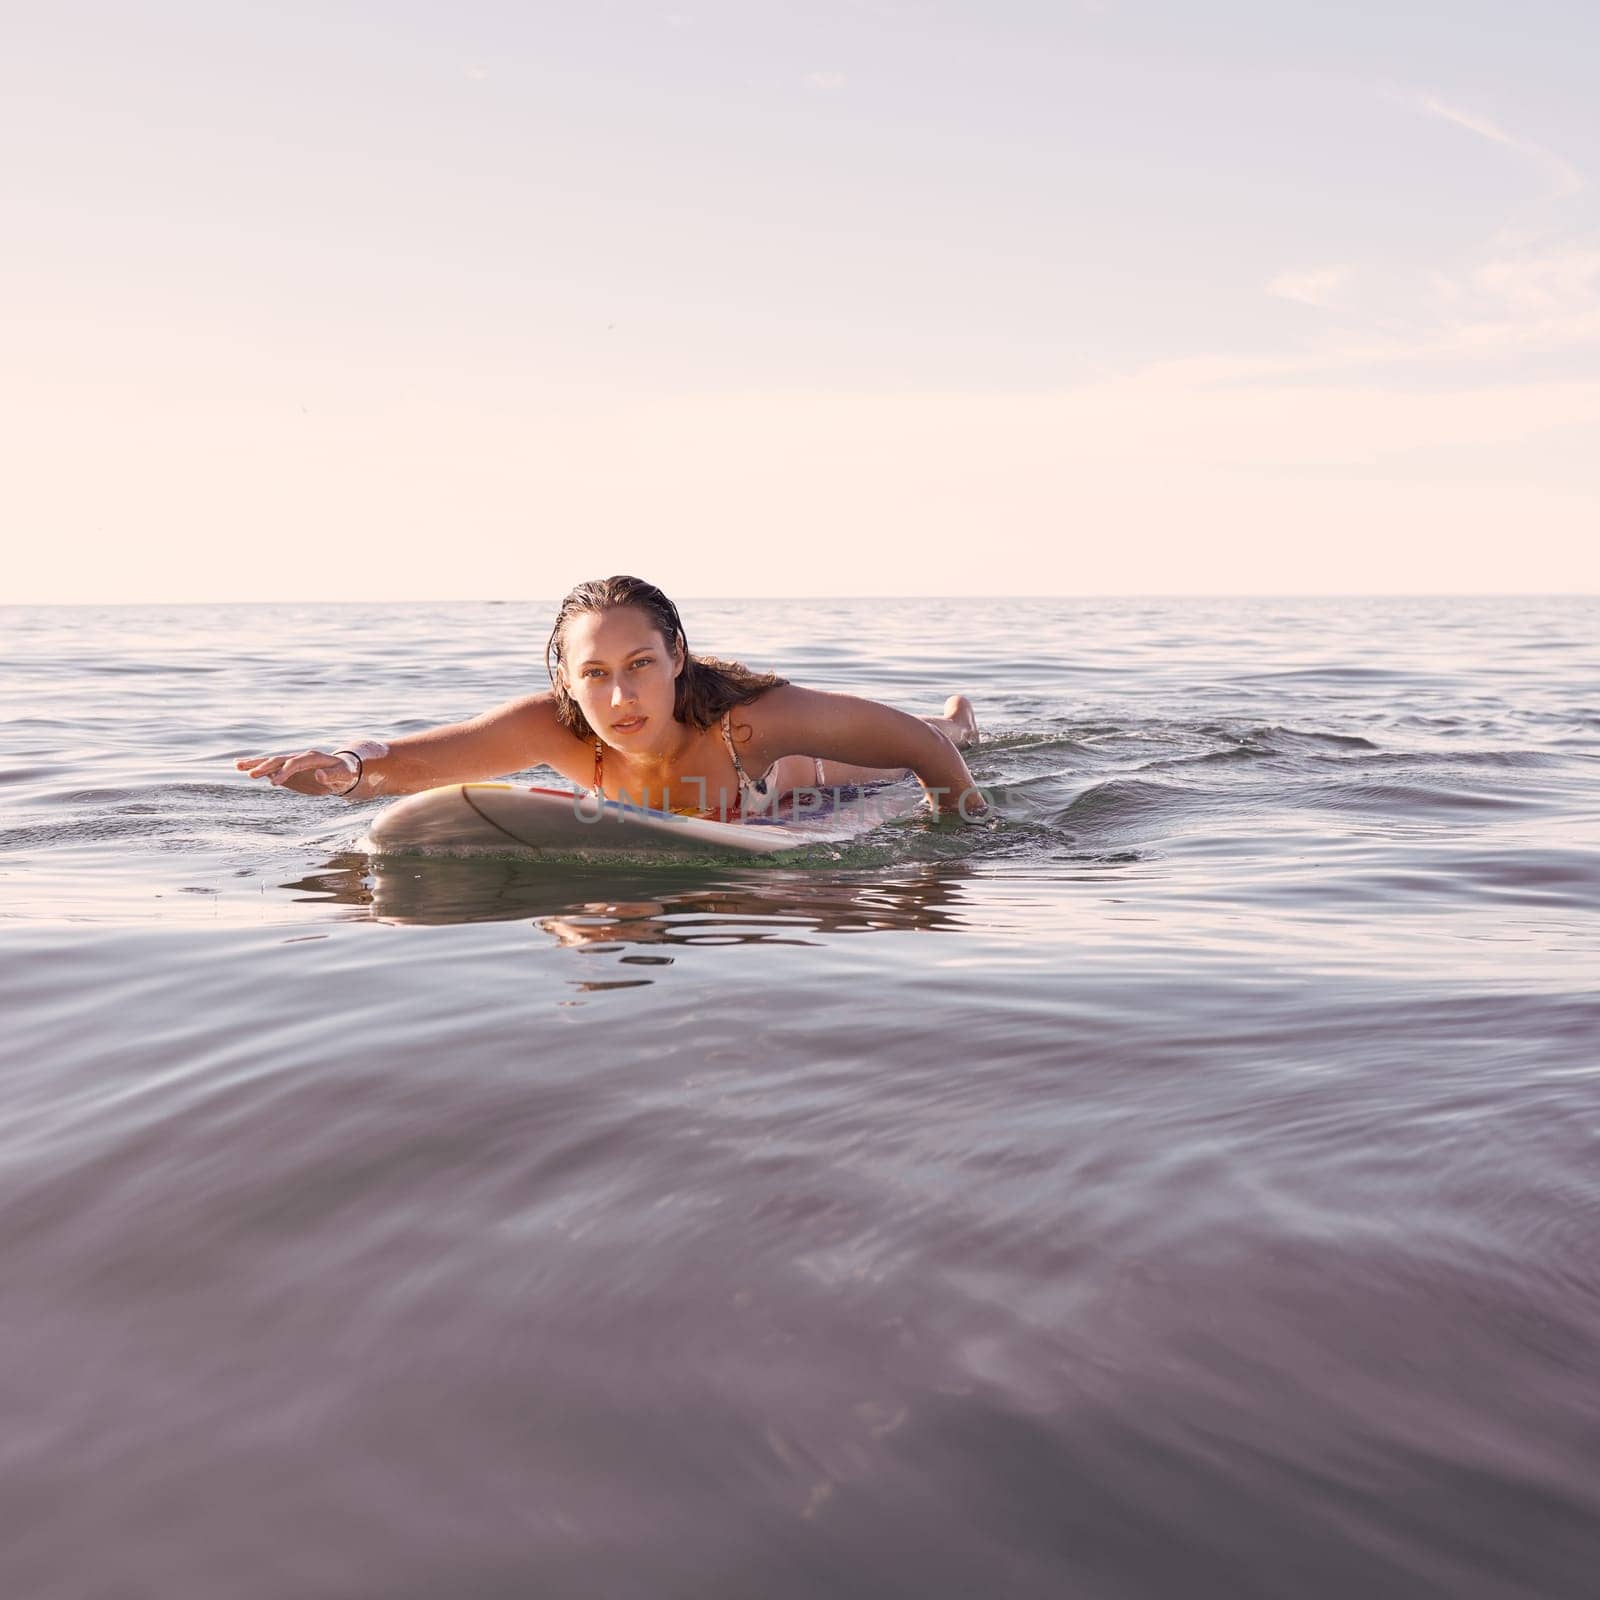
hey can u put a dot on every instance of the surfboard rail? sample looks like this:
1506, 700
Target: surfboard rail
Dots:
466, 817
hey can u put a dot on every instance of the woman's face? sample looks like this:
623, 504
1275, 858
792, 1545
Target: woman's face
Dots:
618, 668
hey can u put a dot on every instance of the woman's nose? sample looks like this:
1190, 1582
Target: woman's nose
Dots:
621, 694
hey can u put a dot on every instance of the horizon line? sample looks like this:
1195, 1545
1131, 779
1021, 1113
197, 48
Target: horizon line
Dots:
694, 599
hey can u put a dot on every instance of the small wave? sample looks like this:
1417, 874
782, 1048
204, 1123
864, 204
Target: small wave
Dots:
13, 775
1535, 877
1018, 743
148, 669
72, 831
1412, 877
1337, 675
1512, 760
1279, 738
1120, 800
1233, 755
1409, 800
122, 798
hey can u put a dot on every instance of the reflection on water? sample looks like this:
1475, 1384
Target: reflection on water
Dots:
658, 909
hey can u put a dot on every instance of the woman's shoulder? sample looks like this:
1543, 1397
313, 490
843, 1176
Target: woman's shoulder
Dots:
774, 724
762, 706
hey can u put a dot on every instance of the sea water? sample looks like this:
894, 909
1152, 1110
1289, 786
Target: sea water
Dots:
1188, 1184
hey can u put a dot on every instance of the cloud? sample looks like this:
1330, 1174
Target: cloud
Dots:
1465, 119
1530, 289
1526, 302
477, 74
1316, 288
1566, 177
824, 82
1561, 283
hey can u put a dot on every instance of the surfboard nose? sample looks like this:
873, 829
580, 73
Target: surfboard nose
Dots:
430, 820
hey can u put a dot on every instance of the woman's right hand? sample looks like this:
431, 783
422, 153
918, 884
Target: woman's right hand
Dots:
305, 771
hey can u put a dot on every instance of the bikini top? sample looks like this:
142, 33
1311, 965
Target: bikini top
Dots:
752, 791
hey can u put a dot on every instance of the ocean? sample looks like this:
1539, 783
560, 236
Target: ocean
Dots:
1187, 1184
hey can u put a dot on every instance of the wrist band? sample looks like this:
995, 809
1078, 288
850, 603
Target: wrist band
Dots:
361, 752
361, 768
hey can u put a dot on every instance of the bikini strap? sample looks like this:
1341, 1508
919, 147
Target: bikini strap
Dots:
727, 739
747, 785
599, 767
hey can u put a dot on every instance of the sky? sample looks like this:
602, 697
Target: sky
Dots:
416, 301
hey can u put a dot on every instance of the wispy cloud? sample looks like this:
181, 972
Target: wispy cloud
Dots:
1560, 283
1465, 119
1536, 300
1532, 288
1529, 290
1565, 177
1316, 288
824, 82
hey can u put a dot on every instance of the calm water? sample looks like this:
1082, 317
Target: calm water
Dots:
1188, 1186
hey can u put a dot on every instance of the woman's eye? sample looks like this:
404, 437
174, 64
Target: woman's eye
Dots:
643, 661
593, 672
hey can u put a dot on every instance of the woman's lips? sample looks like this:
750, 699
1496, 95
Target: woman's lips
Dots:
627, 725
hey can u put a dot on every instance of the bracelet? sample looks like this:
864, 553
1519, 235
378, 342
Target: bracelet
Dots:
361, 768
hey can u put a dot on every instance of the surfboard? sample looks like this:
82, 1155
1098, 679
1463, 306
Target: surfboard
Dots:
484, 817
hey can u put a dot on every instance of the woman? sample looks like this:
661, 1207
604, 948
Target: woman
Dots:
632, 715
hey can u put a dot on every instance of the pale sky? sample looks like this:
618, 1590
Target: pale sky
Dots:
417, 300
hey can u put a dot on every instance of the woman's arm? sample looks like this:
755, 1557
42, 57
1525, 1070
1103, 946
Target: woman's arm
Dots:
841, 727
521, 733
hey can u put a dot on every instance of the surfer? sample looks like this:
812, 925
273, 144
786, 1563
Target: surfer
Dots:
632, 714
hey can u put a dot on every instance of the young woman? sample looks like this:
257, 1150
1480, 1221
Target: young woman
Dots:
633, 715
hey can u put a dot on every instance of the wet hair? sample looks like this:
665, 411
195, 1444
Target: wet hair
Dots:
706, 687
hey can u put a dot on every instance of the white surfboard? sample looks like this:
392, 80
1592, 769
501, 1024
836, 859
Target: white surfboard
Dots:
475, 817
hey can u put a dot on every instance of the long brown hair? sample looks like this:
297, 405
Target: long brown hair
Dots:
706, 687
